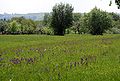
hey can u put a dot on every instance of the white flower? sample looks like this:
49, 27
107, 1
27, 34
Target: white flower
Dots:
44, 49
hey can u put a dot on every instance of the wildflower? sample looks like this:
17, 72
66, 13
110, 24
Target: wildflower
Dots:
1, 59
44, 49
15, 61
30, 60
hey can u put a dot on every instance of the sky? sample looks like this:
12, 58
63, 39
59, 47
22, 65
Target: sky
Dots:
37, 6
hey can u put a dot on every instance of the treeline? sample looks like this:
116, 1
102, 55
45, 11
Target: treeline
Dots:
21, 25
96, 22
62, 21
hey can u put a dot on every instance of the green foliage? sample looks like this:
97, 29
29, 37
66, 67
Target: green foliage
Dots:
76, 17
99, 21
46, 30
84, 23
76, 22
24, 25
62, 18
115, 16
62, 21
30, 26
3, 26
115, 30
115, 23
81, 23
47, 19
13, 27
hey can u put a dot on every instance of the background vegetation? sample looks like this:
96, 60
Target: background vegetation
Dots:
62, 21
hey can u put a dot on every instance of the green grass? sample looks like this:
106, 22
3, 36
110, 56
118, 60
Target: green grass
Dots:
59, 58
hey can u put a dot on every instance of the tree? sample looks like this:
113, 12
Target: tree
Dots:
115, 24
76, 22
3, 26
62, 18
31, 26
117, 2
99, 21
84, 23
115, 16
47, 19
21, 21
13, 27
25, 25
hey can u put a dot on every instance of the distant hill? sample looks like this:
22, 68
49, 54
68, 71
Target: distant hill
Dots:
33, 16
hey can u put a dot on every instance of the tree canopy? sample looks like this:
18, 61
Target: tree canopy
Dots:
99, 21
117, 2
3, 26
62, 18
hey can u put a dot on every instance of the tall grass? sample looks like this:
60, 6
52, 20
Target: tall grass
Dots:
59, 58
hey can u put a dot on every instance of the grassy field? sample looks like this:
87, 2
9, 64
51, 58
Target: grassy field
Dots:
59, 58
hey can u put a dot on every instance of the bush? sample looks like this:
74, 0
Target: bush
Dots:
115, 30
46, 30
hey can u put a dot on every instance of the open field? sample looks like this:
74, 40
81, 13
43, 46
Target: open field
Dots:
59, 58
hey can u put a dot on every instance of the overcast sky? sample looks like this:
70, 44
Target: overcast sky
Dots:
36, 6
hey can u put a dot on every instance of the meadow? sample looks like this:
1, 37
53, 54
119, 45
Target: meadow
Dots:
60, 58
